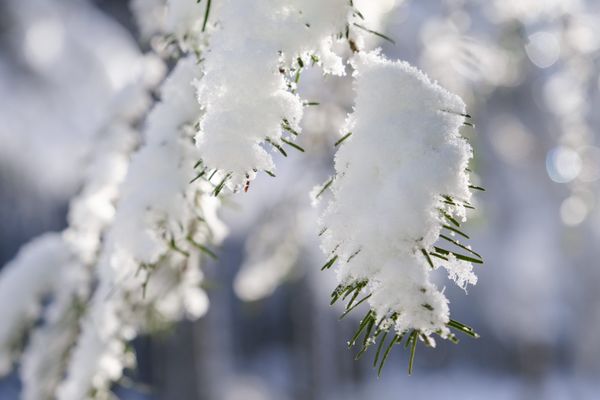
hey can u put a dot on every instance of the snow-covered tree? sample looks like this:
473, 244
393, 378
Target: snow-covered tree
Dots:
146, 219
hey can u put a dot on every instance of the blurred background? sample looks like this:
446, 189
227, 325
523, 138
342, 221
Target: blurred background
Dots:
529, 71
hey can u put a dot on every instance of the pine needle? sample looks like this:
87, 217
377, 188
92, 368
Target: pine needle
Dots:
221, 185
206, 14
428, 258
457, 113
354, 306
278, 147
456, 243
413, 348
325, 187
200, 175
329, 263
286, 125
395, 339
292, 144
450, 218
341, 140
439, 256
363, 324
379, 349
463, 328
203, 248
457, 255
381, 35
456, 231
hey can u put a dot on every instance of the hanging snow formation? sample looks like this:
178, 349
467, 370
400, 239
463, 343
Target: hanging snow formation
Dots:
395, 173
248, 88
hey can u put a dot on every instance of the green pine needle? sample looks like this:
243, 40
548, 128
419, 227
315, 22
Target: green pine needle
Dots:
463, 328
357, 252
292, 144
413, 349
395, 339
456, 231
379, 348
206, 14
365, 341
354, 296
456, 243
457, 113
381, 35
278, 147
286, 126
175, 248
457, 255
200, 175
341, 140
359, 14
329, 263
212, 174
358, 303
203, 248
452, 220
363, 324
338, 292
452, 338
325, 187
221, 185
439, 256
428, 258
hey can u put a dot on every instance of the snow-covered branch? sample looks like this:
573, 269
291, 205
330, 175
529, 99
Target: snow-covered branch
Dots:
148, 270
400, 181
24, 283
248, 91
146, 219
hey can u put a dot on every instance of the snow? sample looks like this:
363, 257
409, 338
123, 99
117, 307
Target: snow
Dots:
184, 17
248, 90
23, 284
142, 224
149, 16
404, 153
148, 269
90, 213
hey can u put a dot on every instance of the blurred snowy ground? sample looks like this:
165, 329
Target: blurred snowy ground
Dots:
529, 71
